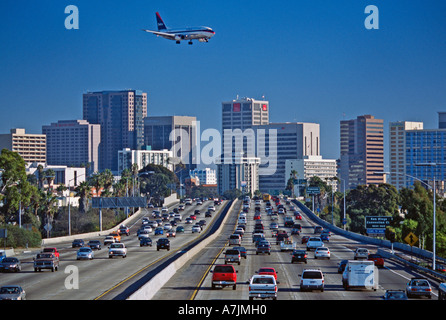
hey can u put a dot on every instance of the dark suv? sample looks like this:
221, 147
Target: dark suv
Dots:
163, 243
299, 256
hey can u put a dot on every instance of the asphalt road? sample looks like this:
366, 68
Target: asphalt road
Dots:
193, 281
101, 278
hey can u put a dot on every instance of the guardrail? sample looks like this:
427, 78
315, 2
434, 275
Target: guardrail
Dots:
148, 290
378, 242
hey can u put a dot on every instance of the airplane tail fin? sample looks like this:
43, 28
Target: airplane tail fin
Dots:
160, 22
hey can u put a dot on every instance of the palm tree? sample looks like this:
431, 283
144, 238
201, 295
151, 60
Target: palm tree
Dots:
50, 175
84, 193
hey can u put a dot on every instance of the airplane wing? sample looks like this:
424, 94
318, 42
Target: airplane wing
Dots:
162, 34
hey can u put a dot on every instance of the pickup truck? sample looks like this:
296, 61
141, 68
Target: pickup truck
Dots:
313, 243
232, 255
263, 287
46, 261
287, 245
117, 249
224, 275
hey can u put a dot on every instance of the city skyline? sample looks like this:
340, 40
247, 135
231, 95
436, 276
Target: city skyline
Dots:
313, 62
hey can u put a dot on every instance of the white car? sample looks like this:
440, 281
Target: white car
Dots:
196, 229
117, 249
361, 253
85, 253
312, 279
263, 287
314, 243
167, 227
211, 208
322, 252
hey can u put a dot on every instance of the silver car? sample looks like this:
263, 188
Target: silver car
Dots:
361, 253
418, 287
12, 293
85, 253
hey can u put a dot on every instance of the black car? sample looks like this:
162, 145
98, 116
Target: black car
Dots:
163, 243
145, 241
77, 243
10, 264
208, 214
299, 256
94, 244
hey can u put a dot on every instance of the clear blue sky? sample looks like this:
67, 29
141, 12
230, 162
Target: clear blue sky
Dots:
313, 60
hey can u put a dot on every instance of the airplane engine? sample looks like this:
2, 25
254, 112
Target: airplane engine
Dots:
203, 39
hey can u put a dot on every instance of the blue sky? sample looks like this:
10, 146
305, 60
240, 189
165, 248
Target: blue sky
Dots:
313, 60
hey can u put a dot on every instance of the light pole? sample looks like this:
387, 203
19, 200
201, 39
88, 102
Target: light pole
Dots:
435, 204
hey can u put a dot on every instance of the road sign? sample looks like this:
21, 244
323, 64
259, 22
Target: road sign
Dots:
411, 239
313, 190
376, 231
377, 222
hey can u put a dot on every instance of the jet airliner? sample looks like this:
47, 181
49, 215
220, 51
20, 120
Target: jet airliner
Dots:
202, 34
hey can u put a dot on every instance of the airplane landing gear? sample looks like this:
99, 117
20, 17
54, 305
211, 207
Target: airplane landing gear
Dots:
190, 42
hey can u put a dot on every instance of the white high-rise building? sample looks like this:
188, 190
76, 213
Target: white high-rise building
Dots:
205, 176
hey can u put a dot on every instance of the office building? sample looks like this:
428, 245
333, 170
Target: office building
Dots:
175, 133
73, 143
242, 174
362, 151
31, 147
397, 145
205, 176
292, 141
312, 166
120, 114
128, 157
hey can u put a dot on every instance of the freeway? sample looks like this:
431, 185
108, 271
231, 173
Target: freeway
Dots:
193, 281
103, 278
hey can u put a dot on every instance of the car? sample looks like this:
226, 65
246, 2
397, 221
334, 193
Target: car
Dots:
235, 239
211, 208
193, 217
94, 244
417, 287
312, 279
318, 229
378, 259
109, 240
268, 271
123, 229
181, 207
163, 243
304, 239
395, 295
10, 264
167, 227
159, 231
2, 255
116, 236
179, 229
145, 242
196, 228
85, 253
299, 256
197, 212
77, 243
189, 220
12, 292
322, 252
242, 251
117, 250
46, 261
171, 233
297, 216
274, 226
341, 266
208, 214
143, 234
232, 255
263, 248
361, 253
325, 237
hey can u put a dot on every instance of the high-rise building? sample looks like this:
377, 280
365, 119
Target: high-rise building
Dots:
142, 158
362, 151
397, 153
242, 174
73, 143
175, 133
120, 114
205, 175
292, 141
31, 147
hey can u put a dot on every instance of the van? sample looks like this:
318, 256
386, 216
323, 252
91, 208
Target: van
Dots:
312, 279
360, 274
234, 239
242, 220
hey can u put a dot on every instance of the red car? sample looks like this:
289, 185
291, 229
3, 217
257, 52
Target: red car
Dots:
305, 239
193, 217
298, 216
379, 261
268, 271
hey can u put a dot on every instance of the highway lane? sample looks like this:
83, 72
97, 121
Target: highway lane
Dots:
393, 276
96, 277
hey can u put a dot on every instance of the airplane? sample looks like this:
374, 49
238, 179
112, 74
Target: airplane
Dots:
202, 34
